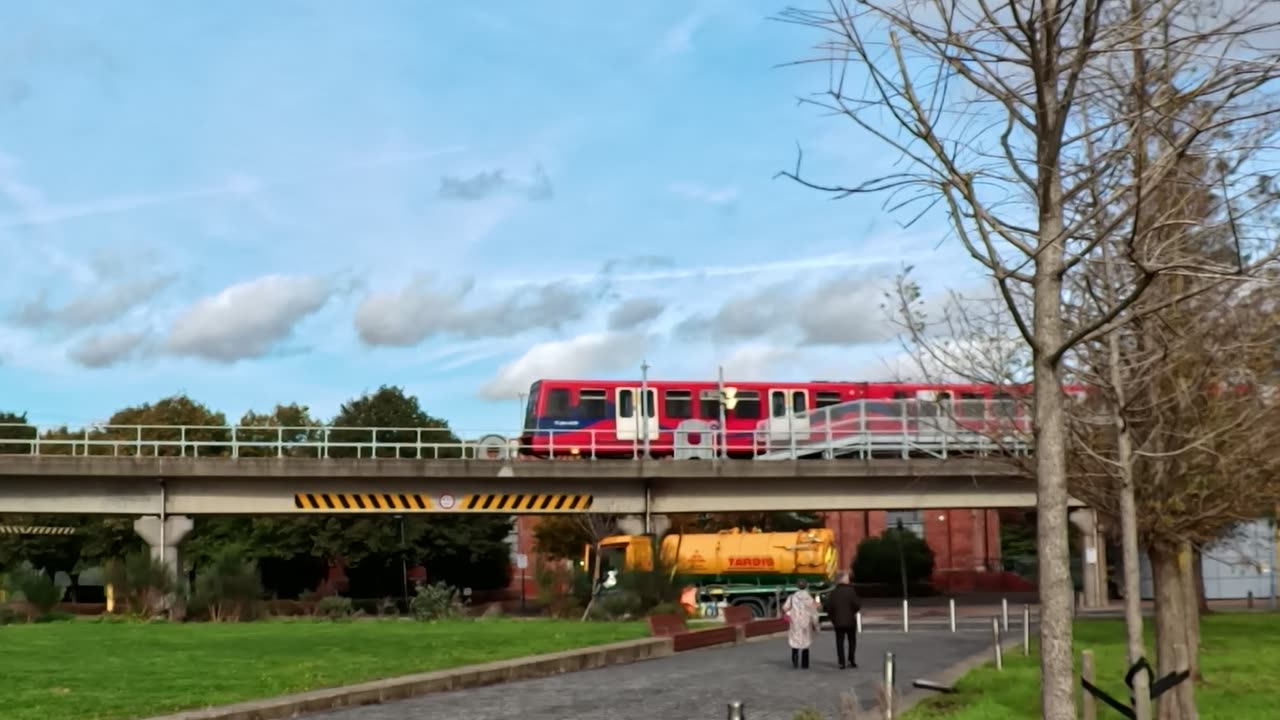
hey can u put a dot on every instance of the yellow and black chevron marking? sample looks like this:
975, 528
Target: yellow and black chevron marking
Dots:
528, 503
35, 530
338, 502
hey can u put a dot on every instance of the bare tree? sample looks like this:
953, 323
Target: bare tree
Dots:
986, 102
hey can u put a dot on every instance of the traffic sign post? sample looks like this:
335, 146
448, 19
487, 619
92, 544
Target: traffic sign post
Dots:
522, 562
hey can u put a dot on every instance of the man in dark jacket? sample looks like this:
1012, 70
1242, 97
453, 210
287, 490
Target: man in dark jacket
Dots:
842, 608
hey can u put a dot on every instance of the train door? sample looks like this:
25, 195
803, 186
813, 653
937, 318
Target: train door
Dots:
630, 424
788, 413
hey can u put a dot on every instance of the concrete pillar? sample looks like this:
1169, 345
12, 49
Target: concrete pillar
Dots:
164, 538
1086, 520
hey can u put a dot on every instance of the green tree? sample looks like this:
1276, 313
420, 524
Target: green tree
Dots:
388, 423
288, 431
14, 426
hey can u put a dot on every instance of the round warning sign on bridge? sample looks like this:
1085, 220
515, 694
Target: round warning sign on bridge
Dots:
446, 501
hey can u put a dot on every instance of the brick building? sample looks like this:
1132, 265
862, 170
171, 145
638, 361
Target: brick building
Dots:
965, 544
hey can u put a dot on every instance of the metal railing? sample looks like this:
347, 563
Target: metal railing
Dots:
861, 429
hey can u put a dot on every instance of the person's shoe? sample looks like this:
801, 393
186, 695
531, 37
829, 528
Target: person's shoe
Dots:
842, 666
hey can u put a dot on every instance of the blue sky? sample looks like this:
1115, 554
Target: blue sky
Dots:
299, 201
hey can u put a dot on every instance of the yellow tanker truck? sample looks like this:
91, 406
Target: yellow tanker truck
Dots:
750, 568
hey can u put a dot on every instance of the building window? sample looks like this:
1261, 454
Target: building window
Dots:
912, 520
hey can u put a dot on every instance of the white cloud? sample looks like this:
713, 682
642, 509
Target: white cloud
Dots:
844, 310
635, 312
106, 349
246, 320
97, 307
581, 356
759, 361
425, 307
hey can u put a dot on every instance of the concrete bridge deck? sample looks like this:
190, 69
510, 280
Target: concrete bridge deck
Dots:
187, 485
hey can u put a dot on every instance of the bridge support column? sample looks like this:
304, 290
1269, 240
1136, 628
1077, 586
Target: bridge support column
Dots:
164, 538
1093, 566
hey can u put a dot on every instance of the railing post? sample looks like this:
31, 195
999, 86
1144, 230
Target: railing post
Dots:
279, 442
235, 441
417, 445
137, 434
551, 443
888, 686
1026, 630
791, 430
373, 450
995, 643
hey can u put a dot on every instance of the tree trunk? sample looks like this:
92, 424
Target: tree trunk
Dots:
1171, 632
1057, 668
1132, 570
1191, 606
1202, 600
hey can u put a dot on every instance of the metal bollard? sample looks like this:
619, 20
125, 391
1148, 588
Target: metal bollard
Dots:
1026, 629
735, 711
858, 617
995, 641
888, 686
952, 602
906, 623
1249, 602
1088, 704
1004, 613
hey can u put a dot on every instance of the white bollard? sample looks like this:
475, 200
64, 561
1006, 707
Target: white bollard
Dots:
1004, 611
995, 643
906, 623
952, 603
858, 617
888, 685
1026, 630
736, 711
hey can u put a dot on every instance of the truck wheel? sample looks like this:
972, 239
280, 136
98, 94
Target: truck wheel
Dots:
757, 606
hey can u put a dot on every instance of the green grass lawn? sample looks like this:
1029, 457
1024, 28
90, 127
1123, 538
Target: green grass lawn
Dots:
113, 670
1239, 659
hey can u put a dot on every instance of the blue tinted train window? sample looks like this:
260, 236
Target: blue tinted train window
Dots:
558, 403
592, 404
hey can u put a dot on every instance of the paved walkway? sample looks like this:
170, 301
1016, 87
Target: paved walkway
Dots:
697, 685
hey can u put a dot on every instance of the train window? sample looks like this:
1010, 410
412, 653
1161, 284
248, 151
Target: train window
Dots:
799, 401
748, 407
972, 405
828, 398
531, 410
592, 404
709, 405
558, 403
626, 403
903, 405
778, 403
1004, 406
678, 404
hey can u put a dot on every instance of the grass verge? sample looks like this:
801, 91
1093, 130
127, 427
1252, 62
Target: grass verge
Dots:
116, 671
1239, 659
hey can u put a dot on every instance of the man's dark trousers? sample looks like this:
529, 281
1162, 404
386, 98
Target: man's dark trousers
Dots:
846, 635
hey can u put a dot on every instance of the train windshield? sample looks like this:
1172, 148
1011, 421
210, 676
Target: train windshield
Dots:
530, 414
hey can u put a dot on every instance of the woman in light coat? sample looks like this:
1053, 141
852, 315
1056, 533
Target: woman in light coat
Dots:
802, 611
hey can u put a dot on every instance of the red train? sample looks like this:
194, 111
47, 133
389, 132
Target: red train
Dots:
599, 418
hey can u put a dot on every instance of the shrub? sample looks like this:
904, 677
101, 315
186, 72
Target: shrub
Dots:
141, 583
229, 589
884, 559
38, 590
619, 605
436, 601
565, 591
334, 606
